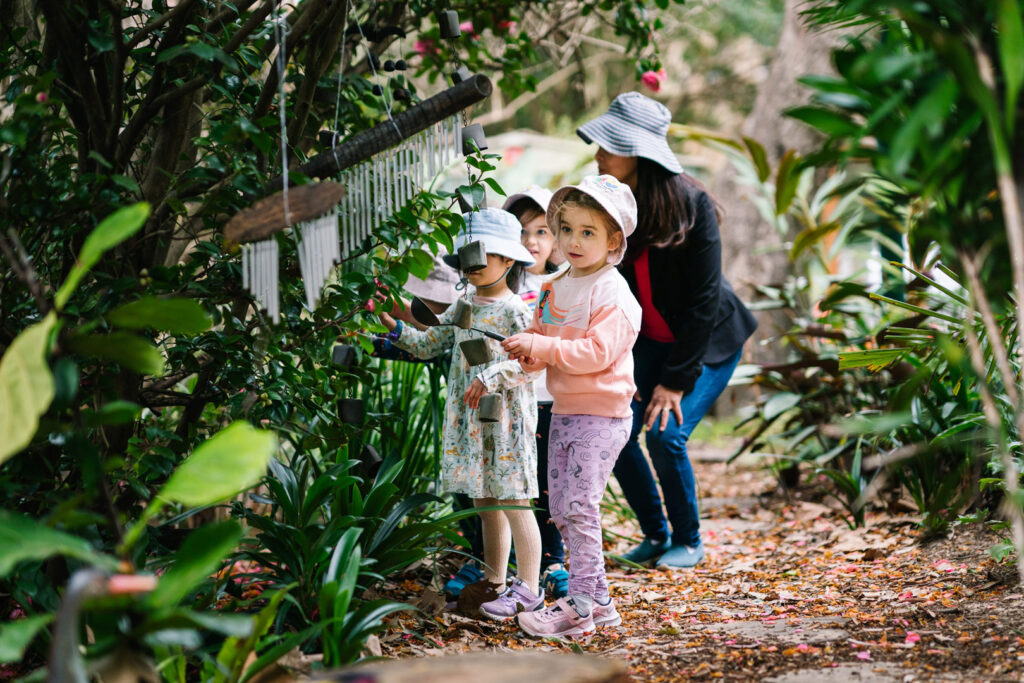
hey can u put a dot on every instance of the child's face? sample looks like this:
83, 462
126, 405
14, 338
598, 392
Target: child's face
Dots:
486, 276
584, 240
539, 241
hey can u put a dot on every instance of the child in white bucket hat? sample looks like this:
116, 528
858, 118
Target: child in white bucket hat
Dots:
583, 332
492, 463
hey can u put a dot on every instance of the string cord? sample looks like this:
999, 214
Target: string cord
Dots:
280, 35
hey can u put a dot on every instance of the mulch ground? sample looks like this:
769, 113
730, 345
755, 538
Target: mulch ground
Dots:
787, 593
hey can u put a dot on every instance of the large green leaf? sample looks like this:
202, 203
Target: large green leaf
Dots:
780, 403
1011, 54
23, 539
16, 636
124, 348
177, 316
113, 230
200, 556
787, 180
233, 460
26, 387
829, 121
872, 359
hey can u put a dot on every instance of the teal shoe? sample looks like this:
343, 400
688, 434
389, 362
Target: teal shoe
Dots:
646, 551
682, 556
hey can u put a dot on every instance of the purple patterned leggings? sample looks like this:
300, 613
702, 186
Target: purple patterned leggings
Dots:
581, 453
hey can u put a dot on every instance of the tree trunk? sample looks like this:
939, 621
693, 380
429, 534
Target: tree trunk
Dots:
752, 251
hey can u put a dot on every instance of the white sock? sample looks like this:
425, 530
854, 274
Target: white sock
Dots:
583, 603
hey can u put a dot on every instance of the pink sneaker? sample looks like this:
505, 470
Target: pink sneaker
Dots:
515, 599
606, 615
559, 620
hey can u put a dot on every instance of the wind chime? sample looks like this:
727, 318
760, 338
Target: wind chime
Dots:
380, 170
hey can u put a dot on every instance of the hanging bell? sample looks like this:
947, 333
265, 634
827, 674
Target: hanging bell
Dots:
473, 138
461, 74
448, 24
343, 355
490, 408
472, 257
350, 410
475, 351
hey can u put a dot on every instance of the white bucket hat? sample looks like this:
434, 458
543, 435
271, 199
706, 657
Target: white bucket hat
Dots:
634, 126
540, 195
498, 230
614, 197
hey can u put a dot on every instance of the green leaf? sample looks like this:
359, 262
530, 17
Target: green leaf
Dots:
200, 555
786, 181
874, 359
779, 403
831, 122
113, 413
26, 387
1011, 54
16, 636
233, 460
23, 539
759, 157
123, 348
177, 316
113, 230
810, 237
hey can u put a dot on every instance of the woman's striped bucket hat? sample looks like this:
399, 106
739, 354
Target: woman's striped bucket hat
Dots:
633, 126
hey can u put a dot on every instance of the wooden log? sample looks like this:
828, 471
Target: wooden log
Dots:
492, 667
265, 217
387, 134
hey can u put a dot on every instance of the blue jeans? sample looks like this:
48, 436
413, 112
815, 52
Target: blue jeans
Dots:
667, 448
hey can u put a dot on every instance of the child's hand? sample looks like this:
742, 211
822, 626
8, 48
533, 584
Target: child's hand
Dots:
387, 321
473, 394
530, 364
518, 346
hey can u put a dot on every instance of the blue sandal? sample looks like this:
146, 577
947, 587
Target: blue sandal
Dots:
467, 574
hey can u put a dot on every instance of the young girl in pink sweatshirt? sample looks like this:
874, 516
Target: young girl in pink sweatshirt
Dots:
582, 332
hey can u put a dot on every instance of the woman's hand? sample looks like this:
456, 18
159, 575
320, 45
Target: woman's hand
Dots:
518, 346
663, 401
473, 394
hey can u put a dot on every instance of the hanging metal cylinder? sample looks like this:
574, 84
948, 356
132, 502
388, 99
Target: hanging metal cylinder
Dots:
448, 24
473, 138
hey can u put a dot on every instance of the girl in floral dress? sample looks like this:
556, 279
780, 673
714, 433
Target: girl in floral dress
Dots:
492, 463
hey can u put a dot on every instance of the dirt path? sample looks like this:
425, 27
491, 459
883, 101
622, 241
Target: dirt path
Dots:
787, 593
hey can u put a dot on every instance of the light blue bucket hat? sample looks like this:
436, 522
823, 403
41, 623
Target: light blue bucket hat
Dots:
498, 230
634, 126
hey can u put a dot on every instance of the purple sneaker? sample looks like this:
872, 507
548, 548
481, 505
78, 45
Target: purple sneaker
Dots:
515, 599
606, 615
561, 619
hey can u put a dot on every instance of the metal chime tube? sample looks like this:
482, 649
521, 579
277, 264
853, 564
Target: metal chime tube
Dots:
457, 128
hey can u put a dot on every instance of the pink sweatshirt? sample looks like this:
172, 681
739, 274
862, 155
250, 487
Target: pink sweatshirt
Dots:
584, 329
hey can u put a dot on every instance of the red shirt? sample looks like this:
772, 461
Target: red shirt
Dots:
652, 325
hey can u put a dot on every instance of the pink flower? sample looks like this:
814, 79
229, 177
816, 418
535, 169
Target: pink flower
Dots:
466, 27
424, 47
42, 97
507, 25
651, 81
912, 637
864, 654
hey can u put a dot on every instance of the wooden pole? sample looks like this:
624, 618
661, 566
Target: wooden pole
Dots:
386, 134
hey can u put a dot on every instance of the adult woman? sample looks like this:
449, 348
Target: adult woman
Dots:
693, 326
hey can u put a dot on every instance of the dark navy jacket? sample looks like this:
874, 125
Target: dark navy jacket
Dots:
708, 320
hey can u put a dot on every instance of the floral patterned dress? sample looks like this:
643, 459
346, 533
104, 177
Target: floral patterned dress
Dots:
485, 460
